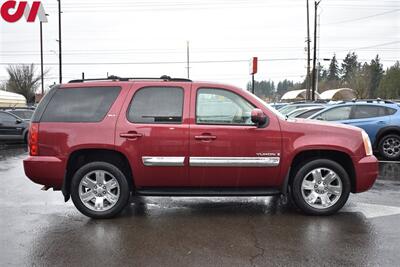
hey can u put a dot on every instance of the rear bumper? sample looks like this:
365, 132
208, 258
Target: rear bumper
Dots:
366, 170
47, 171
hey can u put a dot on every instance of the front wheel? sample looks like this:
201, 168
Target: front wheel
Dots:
99, 190
320, 187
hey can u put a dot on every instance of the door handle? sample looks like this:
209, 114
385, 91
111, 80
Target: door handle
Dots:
205, 137
130, 135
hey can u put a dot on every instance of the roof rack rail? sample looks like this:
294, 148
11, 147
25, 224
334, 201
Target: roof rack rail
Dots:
372, 100
165, 78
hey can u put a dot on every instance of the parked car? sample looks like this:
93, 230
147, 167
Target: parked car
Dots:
289, 108
307, 110
380, 119
278, 106
25, 114
12, 127
99, 141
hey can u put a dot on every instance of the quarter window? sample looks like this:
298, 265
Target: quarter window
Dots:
4, 117
88, 104
157, 105
217, 106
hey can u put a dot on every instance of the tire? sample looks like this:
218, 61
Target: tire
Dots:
389, 147
99, 190
320, 187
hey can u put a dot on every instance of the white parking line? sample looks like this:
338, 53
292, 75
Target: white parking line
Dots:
372, 210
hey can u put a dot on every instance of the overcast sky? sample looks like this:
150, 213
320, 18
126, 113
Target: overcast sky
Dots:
148, 38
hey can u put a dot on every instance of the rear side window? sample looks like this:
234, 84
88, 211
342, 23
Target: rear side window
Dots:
363, 112
88, 104
157, 105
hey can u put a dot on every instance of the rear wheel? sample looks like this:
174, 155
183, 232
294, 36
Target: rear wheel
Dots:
99, 190
320, 187
389, 147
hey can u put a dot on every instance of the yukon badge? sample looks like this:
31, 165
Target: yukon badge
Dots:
266, 154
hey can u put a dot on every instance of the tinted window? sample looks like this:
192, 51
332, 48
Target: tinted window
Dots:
23, 114
4, 117
361, 112
216, 106
336, 114
390, 111
308, 113
157, 105
89, 104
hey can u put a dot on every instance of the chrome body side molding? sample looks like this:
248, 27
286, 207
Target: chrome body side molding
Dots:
163, 161
234, 161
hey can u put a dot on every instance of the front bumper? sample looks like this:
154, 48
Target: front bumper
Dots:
47, 171
366, 170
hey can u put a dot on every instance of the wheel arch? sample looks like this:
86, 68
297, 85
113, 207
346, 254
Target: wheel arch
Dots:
383, 132
81, 157
307, 155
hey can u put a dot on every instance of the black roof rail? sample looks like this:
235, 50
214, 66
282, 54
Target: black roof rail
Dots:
354, 100
165, 78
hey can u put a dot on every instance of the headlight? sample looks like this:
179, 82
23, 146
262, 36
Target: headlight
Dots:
367, 143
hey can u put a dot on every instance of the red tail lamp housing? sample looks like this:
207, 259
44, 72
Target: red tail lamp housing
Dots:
34, 139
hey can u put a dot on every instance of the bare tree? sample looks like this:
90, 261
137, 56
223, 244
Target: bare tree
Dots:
23, 80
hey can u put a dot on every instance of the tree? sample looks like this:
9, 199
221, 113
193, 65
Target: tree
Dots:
376, 74
389, 86
360, 81
283, 87
23, 80
263, 88
350, 66
333, 70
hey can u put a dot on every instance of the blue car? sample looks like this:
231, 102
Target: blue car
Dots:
380, 119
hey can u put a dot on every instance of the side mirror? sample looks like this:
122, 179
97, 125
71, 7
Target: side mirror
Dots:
319, 118
259, 118
18, 121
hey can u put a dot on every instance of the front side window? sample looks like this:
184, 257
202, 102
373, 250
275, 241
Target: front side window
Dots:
157, 105
336, 114
87, 104
217, 106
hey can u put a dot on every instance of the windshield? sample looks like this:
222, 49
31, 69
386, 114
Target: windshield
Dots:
23, 114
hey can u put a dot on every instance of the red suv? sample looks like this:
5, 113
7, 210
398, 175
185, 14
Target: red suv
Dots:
99, 141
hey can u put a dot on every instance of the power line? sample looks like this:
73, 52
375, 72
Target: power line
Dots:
362, 18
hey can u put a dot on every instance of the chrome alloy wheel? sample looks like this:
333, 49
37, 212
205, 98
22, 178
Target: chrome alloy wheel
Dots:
391, 147
99, 190
321, 188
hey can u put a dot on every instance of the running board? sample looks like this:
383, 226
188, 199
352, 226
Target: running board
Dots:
214, 191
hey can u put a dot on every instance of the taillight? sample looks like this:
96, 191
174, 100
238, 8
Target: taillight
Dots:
34, 139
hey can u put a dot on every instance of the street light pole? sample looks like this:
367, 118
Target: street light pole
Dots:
41, 57
59, 39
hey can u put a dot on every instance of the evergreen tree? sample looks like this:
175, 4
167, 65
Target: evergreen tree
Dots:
376, 74
333, 71
389, 86
350, 66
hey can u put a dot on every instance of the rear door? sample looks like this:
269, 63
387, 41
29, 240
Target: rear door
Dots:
226, 148
371, 118
153, 132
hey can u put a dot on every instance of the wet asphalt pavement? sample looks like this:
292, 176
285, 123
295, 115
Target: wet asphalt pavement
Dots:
39, 229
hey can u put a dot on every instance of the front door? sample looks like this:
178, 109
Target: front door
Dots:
226, 148
153, 132
9, 126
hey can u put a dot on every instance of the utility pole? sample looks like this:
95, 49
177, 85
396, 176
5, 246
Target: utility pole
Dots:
187, 59
308, 55
314, 79
59, 39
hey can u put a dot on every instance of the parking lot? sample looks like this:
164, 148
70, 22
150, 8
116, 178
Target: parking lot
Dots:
39, 229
